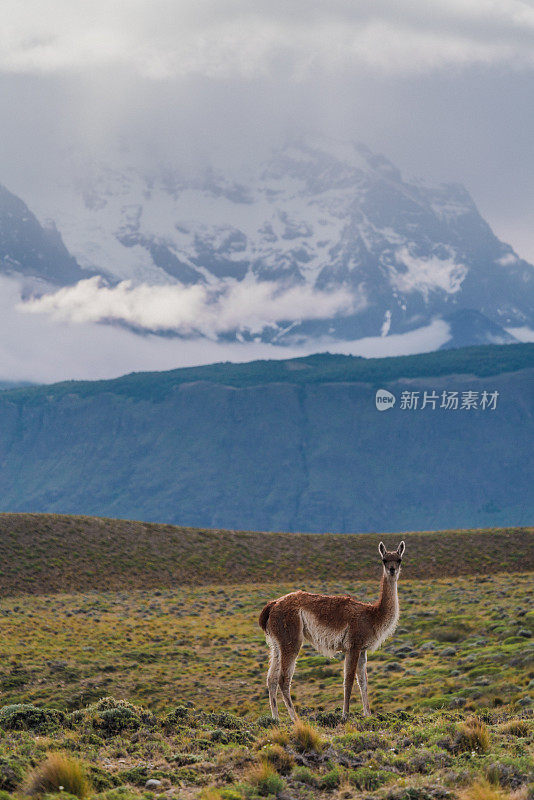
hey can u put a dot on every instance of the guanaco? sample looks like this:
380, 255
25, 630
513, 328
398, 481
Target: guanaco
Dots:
332, 624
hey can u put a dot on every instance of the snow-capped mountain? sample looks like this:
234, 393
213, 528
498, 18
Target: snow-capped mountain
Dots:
317, 214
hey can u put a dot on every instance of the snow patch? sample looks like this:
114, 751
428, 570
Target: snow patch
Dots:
523, 333
426, 275
507, 260
386, 325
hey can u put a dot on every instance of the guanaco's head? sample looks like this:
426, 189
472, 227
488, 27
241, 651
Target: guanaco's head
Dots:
391, 559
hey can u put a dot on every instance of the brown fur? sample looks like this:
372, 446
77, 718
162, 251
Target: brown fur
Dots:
264, 616
332, 623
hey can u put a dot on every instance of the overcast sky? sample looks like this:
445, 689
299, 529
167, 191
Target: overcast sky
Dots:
444, 88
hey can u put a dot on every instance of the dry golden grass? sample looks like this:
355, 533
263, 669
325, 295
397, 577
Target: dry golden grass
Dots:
515, 727
59, 773
277, 736
472, 736
306, 739
482, 789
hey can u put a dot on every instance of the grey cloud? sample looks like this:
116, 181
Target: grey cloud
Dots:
161, 39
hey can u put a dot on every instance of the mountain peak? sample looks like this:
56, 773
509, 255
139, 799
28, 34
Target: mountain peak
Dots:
319, 216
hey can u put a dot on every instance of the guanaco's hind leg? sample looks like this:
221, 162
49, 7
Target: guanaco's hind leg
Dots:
351, 662
286, 675
286, 636
362, 682
273, 677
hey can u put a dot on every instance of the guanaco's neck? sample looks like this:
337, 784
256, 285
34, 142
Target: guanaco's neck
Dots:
388, 602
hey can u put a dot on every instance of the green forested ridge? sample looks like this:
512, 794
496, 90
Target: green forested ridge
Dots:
322, 367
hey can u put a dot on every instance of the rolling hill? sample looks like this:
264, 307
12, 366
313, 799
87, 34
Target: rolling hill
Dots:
45, 553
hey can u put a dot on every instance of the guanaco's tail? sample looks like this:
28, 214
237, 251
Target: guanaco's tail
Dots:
264, 616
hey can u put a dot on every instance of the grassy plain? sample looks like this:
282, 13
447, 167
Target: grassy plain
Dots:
185, 668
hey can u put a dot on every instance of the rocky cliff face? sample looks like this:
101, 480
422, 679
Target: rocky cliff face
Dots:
30, 250
276, 452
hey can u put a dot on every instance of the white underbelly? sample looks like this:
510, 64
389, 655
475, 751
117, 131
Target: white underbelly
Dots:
326, 640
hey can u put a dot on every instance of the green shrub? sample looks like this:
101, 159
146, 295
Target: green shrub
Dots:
266, 721
223, 719
137, 775
329, 719
23, 716
510, 773
304, 775
116, 720
11, 773
331, 780
178, 717
101, 779
365, 778
359, 742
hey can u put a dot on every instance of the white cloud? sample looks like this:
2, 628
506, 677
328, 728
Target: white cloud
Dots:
44, 349
164, 38
191, 310
423, 340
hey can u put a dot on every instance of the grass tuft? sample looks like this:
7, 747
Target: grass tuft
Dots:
306, 739
59, 773
515, 727
275, 755
471, 736
266, 780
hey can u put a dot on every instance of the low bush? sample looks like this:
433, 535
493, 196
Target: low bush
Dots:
366, 778
24, 716
331, 780
11, 773
223, 719
304, 775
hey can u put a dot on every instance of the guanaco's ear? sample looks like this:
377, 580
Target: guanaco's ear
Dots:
382, 549
401, 548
